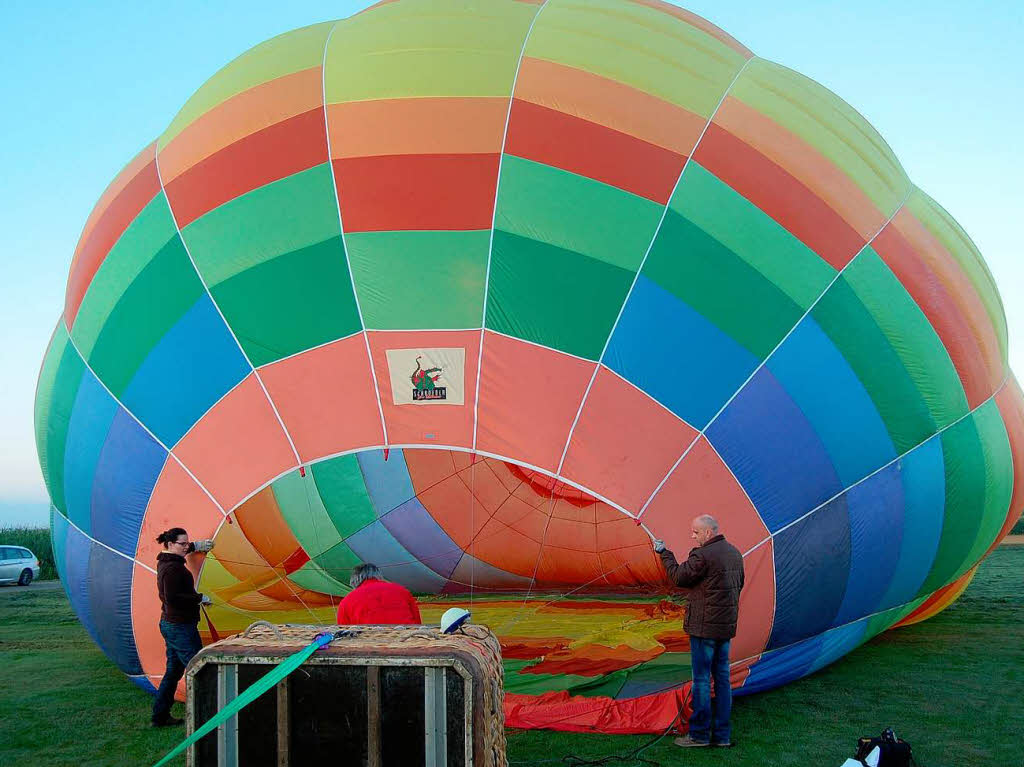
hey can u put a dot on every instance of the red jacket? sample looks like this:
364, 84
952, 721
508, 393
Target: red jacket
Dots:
374, 601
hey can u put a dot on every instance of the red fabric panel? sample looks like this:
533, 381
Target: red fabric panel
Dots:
1010, 402
932, 295
135, 187
595, 151
780, 195
574, 713
428, 192
273, 153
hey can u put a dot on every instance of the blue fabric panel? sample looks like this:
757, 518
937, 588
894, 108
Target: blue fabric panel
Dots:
387, 482
924, 491
77, 549
782, 666
127, 470
416, 530
90, 421
186, 372
876, 531
475, 572
143, 683
837, 642
812, 563
58, 541
375, 544
828, 392
110, 603
774, 452
676, 355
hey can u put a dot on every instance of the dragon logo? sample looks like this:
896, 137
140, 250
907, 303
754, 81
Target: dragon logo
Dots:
424, 383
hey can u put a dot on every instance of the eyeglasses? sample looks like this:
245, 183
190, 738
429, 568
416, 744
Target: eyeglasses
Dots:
180, 543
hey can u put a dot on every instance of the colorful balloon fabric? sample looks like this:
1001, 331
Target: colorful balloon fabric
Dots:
492, 293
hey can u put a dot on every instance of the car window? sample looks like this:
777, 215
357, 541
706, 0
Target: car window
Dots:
6, 553
25, 553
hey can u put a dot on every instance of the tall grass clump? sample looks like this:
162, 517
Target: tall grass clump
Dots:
38, 540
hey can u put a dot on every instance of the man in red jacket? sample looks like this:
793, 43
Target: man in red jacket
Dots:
374, 600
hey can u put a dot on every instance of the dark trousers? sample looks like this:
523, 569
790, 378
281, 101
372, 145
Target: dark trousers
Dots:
710, 660
183, 642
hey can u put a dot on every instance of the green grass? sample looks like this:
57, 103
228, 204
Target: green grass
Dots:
38, 540
952, 686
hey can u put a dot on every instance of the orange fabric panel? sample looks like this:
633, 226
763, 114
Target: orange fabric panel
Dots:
326, 399
146, 628
572, 535
124, 199
961, 291
428, 467
486, 486
590, 149
528, 418
624, 442
416, 126
779, 194
176, 501
933, 292
940, 600
703, 484
524, 517
610, 103
560, 567
453, 507
238, 446
259, 520
451, 192
418, 423
803, 162
237, 554
1010, 402
241, 115
506, 548
757, 604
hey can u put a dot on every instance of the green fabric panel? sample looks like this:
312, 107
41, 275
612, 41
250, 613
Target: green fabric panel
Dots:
575, 213
340, 483
291, 303
70, 373
654, 52
50, 417
285, 215
724, 288
338, 561
851, 328
910, 334
419, 280
536, 684
947, 231
304, 512
553, 297
965, 501
889, 618
145, 236
995, 445
164, 290
751, 234
409, 49
313, 577
670, 669
828, 124
282, 55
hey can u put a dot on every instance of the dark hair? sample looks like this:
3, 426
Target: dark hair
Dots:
364, 572
170, 536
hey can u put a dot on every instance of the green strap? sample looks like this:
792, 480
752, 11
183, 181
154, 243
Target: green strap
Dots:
291, 663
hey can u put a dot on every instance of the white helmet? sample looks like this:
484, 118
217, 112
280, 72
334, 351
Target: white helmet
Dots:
452, 619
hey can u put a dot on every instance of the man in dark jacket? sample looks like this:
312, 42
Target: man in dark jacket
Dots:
714, 575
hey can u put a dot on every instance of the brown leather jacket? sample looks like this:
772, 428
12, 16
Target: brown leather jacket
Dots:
714, 576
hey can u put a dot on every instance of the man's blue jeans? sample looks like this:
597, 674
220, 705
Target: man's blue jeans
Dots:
183, 642
710, 658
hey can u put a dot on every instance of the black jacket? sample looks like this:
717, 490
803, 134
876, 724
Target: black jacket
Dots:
177, 587
714, 575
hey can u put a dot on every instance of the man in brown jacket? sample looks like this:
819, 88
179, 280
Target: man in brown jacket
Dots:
714, 575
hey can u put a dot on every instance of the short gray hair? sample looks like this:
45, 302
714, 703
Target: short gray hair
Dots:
707, 521
364, 572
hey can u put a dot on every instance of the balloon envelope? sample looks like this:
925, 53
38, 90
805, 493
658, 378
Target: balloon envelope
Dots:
491, 294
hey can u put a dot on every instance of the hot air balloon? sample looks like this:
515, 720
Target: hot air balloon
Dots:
493, 293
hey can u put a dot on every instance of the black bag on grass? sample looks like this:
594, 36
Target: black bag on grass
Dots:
895, 752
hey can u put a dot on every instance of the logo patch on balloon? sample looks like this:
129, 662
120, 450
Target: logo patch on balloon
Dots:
424, 383
427, 376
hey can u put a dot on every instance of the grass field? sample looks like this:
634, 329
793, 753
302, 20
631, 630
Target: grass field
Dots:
953, 687
38, 540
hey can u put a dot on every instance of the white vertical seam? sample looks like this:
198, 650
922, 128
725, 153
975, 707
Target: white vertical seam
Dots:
650, 245
494, 218
341, 228
206, 288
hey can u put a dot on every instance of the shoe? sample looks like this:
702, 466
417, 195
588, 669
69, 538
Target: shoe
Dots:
722, 743
168, 722
688, 742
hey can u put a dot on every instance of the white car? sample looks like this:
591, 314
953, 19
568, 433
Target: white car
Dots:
18, 565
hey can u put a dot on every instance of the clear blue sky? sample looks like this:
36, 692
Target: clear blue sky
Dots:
86, 85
